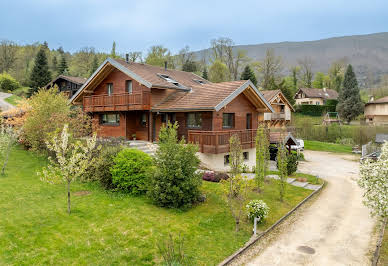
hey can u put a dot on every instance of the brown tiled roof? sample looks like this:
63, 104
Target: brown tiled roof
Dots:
381, 100
206, 96
150, 74
269, 94
329, 94
78, 80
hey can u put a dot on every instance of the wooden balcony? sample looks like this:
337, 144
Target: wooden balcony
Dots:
117, 102
218, 141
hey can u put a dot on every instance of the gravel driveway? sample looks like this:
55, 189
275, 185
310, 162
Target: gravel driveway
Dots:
4, 106
335, 229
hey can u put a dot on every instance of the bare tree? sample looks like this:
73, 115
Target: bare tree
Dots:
7, 55
306, 65
135, 57
270, 68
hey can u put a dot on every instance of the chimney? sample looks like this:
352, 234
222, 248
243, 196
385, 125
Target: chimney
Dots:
127, 58
165, 65
371, 98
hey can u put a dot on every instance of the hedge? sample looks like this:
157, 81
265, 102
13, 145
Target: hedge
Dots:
314, 110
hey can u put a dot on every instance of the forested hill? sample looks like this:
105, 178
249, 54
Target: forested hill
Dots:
367, 53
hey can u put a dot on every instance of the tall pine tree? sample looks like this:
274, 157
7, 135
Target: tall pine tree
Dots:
40, 74
62, 66
349, 101
249, 75
204, 74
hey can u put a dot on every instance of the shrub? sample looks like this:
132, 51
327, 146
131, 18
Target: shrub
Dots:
214, 177
299, 156
22, 91
130, 171
172, 251
245, 168
292, 163
100, 169
175, 182
8, 83
257, 209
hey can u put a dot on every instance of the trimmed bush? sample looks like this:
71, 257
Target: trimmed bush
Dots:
130, 170
175, 182
257, 209
292, 163
314, 110
8, 83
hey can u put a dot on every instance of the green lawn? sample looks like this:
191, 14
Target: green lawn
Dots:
107, 228
310, 178
14, 99
384, 249
326, 146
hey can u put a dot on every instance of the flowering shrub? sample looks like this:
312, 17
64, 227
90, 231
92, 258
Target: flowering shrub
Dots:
258, 209
374, 181
214, 177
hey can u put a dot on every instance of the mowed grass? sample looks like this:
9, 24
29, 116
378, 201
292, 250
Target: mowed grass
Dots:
107, 228
384, 249
14, 99
325, 146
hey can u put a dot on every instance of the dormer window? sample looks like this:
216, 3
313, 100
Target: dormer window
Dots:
170, 80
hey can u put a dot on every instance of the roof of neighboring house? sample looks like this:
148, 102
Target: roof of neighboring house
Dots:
270, 96
189, 94
381, 100
77, 80
282, 137
327, 94
380, 138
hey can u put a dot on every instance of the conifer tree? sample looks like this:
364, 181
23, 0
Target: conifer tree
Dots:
249, 75
204, 73
94, 65
113, 51
349, 100
54, 65
40, 74
62, 66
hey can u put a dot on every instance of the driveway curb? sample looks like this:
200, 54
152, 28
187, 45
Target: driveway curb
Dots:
248, 244
376, 255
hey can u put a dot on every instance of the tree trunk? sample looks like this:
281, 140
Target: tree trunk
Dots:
237, 224
68, 197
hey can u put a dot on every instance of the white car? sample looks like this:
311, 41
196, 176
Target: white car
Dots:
299, 146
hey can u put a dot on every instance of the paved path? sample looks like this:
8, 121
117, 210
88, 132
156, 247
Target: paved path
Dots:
335, 229
4, 106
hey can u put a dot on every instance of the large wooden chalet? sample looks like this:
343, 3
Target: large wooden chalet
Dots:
133, 100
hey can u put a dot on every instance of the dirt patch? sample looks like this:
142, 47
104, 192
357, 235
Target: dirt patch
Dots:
306, 249
82, 193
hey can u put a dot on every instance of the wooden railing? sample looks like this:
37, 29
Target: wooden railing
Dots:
274, 116
218, 141
117, 102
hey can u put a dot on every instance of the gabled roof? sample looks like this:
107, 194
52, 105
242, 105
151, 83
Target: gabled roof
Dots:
282, 137
76, 80
327, 94
212, 96
270, 96
381, 100
149, 76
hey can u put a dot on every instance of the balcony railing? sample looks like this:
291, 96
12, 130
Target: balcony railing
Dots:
117, 102
218, 141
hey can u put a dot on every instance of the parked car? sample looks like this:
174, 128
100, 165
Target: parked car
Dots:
299, 146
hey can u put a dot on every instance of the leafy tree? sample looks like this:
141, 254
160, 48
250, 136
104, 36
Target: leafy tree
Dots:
319, 80
190, 66
8, 83
270, 69
8, 139
282, 161
94, 65
135, 56
349, 101
71, 160
82, 62
306, 65
157, 55
218, 72
262, 156
336, 74
8, 52
54, 65
175, 182
40, 75
204, 73
294, 74
249, 75
235, 155
63, 68
374, 180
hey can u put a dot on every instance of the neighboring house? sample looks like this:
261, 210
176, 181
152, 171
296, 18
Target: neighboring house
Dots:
376, 111
67, 84
282, 109
315, 96
133, 100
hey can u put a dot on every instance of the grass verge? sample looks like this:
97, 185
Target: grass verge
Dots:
113, 228
326, 146
14, 99
383, 260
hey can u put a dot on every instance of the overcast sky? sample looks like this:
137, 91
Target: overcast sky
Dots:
136, 25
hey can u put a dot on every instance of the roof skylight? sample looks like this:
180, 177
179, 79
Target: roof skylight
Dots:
170, 80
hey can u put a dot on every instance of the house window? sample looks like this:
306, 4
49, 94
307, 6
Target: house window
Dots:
143, 120
128, 86
164, 118
317, 103
110, 119
194, 120
110, 88
227, 120
226, 159
249, 121
246, 155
